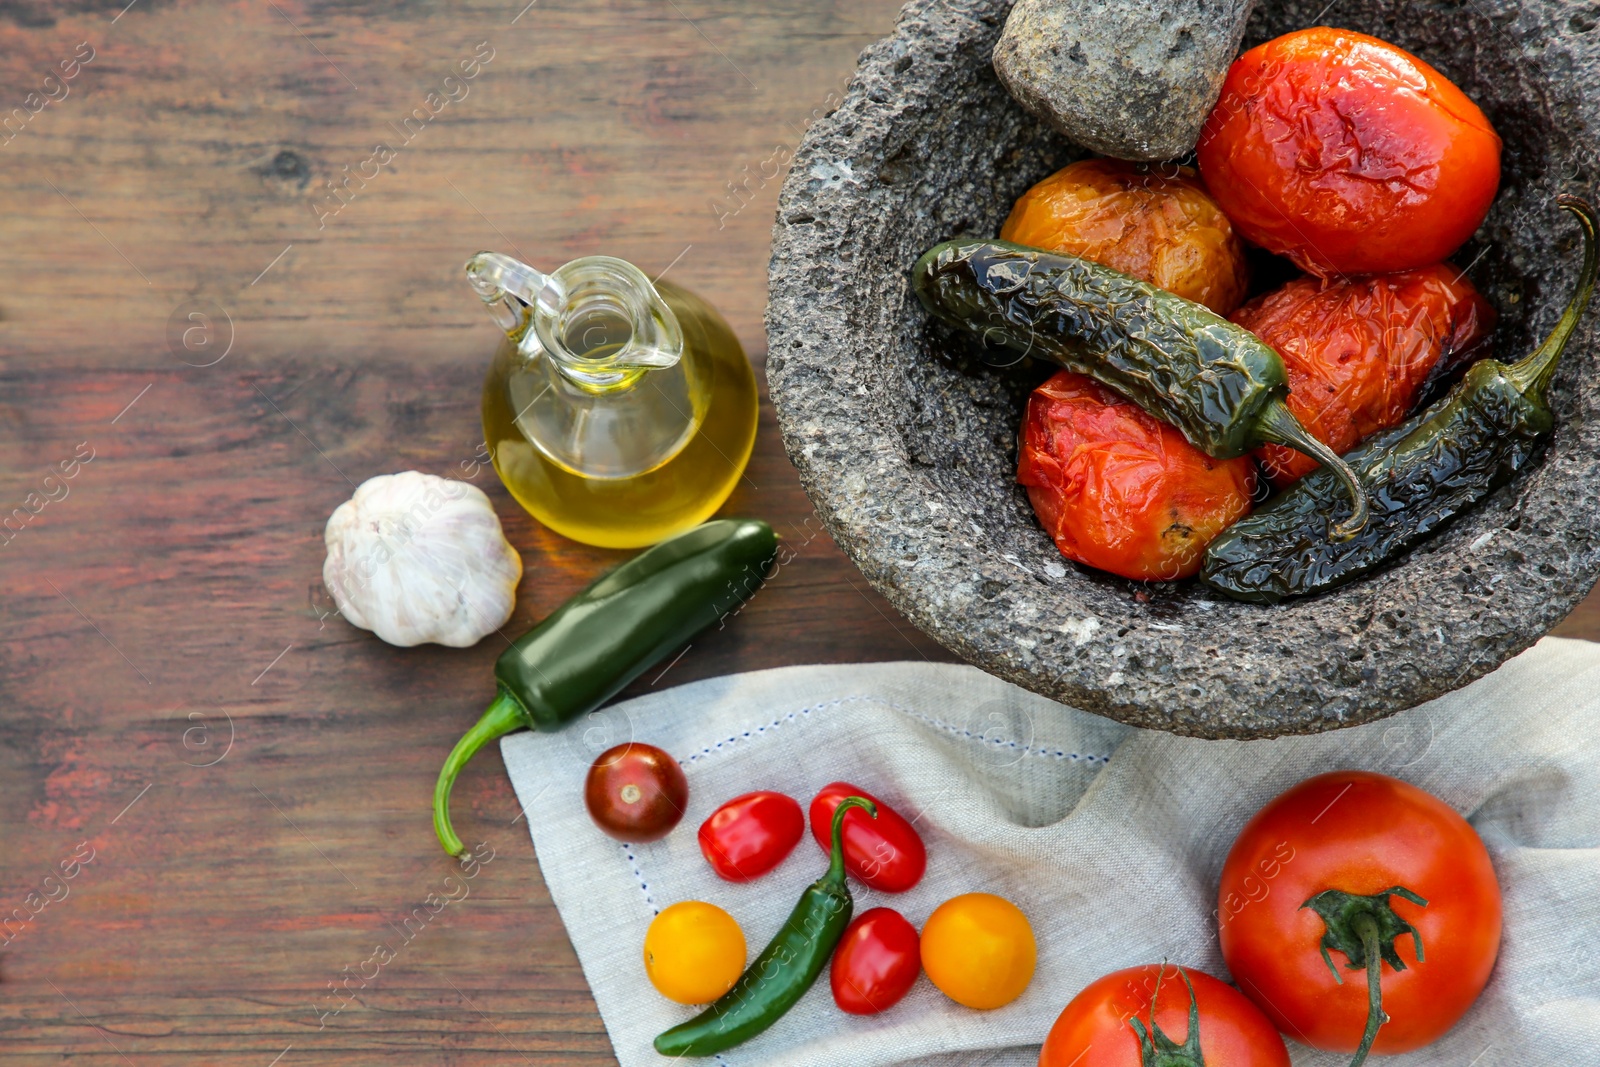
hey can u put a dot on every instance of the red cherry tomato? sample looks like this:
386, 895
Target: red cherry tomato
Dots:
876, 963
884, 853
636, 792
1347, 154
1360, 352
1120, 490
1369, 836
750, 835
1096, 1029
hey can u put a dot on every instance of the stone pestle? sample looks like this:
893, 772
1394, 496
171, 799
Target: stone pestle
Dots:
1132, 79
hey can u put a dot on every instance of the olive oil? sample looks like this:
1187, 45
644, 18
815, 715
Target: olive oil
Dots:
639, 455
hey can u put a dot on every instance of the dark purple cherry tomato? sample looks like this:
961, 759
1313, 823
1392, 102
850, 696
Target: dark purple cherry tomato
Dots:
750, 835
876, 963
884, 853
636, 792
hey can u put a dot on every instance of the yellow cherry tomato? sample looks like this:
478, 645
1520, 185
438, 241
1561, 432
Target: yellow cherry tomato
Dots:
979, 950
694, 952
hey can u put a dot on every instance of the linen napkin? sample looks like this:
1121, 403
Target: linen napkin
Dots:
1109, 838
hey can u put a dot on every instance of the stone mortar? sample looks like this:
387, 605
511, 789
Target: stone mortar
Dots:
906, 439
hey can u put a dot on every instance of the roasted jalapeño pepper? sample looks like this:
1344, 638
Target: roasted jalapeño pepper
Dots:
1420, 475
786, 968
1218, 383
592, 646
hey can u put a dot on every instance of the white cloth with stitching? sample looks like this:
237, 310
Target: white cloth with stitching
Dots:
1109, 838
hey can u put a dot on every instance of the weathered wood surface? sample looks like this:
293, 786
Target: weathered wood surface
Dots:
251, 774
144, 608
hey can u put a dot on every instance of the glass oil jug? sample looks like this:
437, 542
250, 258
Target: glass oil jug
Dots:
617, 411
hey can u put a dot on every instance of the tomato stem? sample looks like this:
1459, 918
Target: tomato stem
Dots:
1376, 1016
1364, 928
1156, 1049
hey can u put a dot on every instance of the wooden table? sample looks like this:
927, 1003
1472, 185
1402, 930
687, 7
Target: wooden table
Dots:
177, 697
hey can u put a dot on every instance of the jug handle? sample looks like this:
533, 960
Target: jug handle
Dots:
499, 280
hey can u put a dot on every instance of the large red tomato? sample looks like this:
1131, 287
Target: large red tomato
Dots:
1097, 1028
1339, 865
1120, 490
1347, 154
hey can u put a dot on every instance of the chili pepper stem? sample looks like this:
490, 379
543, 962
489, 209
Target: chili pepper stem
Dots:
835, 875
1531, 375
504, 715
1280, 426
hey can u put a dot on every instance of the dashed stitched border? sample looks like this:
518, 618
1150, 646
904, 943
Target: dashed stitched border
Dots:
795, 716
1001, 742
644, 887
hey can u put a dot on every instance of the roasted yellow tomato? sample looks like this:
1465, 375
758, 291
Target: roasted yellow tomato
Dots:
1156, 223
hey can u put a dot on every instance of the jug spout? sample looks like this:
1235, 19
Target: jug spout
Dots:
511, 289
599, 319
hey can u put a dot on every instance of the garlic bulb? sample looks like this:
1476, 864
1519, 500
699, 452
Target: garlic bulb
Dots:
417, 558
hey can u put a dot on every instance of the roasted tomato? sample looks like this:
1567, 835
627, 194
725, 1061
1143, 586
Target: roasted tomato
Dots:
884, 853
1114, 1021
1347, 154
1361, 352
1155, 223
1350, 872
751, 834
636, 792
1118, 489
876, 963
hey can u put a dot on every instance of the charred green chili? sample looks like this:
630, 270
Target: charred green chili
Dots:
1218, 383
786, 968
592, 646
1419, 475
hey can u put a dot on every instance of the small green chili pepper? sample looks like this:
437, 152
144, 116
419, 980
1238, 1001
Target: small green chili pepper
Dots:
592, 646
1420, 475
786, 968
1219, 384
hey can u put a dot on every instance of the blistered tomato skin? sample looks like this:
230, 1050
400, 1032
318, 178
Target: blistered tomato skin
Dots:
876, 963
1119, 490
1347, 154
884, 853
1362, 353
751, 834
1156, 223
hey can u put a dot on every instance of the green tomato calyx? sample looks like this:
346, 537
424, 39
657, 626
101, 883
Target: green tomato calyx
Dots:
1156, 1049
1365, 928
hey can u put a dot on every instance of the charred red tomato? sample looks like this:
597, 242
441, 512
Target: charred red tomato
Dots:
1361, 352
750, 835
1360, 912
1118, 489
1347, 154
636, 792
876, 963
884, 853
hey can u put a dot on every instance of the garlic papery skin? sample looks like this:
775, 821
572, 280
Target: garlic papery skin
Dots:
416, 558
